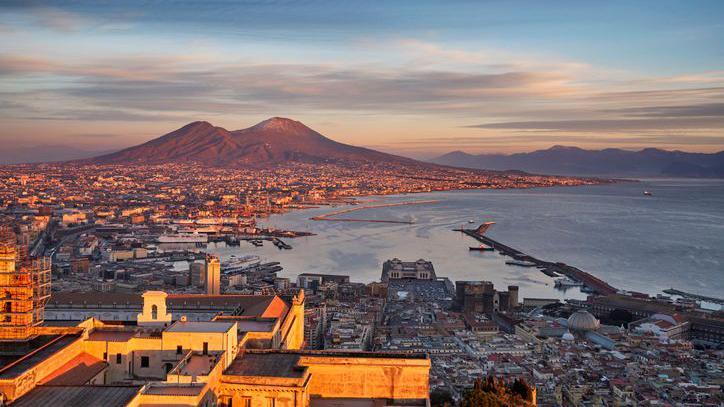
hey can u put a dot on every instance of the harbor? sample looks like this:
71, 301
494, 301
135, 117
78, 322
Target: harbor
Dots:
332, 216
550, 269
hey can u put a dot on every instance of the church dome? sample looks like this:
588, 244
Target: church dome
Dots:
582, 321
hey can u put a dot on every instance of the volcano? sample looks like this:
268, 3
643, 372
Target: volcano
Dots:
274, 141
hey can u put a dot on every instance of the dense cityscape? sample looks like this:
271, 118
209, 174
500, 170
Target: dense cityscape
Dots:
361, 204
115, 233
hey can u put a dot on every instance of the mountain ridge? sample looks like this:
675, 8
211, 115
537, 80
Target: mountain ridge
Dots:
571, 160
273, 141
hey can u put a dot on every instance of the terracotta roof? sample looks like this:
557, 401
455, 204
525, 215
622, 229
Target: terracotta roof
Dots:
78, 371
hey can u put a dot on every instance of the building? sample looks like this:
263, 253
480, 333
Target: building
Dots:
481, 297
313, 280
25, 287
213, 275
197, 272
397, 269
250, 354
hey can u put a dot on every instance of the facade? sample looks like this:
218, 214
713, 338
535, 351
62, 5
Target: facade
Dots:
397, 269
481, 297
25, 288
213, 275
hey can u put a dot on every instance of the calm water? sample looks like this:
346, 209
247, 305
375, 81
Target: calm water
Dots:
673, 239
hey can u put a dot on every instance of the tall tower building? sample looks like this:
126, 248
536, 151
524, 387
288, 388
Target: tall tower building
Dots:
213, 275
24, 289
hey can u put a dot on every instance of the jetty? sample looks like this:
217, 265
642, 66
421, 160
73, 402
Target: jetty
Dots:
713, 300
332, 216
549, 268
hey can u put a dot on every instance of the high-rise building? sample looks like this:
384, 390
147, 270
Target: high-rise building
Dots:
213, 275
24, 289
197, 271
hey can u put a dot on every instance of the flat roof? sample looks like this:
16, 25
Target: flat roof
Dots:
175, 390
200, 326
266, 365
86, 396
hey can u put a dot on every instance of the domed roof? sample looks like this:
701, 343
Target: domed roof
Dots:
582, 321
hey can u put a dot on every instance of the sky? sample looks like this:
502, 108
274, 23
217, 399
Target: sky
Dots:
418, 78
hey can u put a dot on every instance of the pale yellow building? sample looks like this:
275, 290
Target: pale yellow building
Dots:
231, 360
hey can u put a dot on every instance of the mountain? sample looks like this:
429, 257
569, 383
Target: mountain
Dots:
42, 153
610, 162
273, 141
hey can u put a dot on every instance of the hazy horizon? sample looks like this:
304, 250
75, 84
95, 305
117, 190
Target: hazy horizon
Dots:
417, 79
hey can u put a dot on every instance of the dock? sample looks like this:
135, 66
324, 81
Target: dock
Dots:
713, 300
548, 268
331, 216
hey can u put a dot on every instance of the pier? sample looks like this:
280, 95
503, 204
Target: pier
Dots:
330, 216
548, 268
713, 300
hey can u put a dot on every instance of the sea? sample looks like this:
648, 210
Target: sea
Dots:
673, 238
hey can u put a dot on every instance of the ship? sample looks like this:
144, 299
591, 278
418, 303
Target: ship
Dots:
237, 261
521, 263
183, 238
567, 282
481, 248
648, 193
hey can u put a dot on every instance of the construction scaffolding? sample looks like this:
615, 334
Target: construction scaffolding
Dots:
24, 289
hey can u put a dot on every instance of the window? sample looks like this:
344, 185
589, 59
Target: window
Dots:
154, 312
118, 358
105, 355
206, 348
144, 361
246, 402
179, 350
271, 402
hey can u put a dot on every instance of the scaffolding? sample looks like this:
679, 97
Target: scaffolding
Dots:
24, 289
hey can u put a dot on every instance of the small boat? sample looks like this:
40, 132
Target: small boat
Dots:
471, 221
481, 248
648, 193
521, 263
567, 282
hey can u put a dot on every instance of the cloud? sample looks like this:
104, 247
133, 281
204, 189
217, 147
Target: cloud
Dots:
708, 109
59, 20
608, 125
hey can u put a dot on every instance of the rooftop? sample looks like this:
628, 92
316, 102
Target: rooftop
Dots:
266, 364
86, 396
194, 326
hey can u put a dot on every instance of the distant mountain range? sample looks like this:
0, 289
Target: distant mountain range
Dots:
42, 153
273, 141
611, 162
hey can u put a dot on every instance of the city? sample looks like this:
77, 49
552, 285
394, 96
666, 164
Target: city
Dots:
328, 203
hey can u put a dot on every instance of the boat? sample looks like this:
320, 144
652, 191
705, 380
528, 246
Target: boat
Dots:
183, 238
567, 282
481, 248
648, 193
521, 263
237, 261
471, 221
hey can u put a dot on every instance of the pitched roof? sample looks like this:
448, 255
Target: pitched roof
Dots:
78, 371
